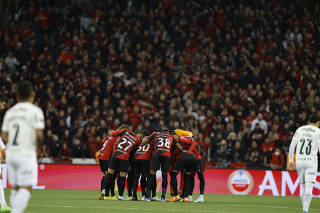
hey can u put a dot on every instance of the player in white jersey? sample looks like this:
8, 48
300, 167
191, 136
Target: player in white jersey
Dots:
22, 130
306, 140
4, 206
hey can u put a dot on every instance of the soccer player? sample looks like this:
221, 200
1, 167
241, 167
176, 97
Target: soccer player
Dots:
199, 154
125, 143
104, 157
4, 206
22, 130
162, 142
306, 140
142, 165
185, 161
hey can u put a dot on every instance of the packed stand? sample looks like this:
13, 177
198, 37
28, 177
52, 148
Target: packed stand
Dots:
241, 75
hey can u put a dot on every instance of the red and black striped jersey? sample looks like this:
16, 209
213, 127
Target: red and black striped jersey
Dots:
107, 147
162, 143
144, 152
124, 144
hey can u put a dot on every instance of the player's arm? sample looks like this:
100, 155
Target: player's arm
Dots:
177, 140
292, 147
5, 129
145, 140
39, 136
4, 136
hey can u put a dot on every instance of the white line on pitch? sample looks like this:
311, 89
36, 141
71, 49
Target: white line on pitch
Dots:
106, 207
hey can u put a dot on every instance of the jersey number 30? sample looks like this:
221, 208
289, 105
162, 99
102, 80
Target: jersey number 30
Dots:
308, 147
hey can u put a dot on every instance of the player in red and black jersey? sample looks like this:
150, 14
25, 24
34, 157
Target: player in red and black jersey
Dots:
195, 147
126, 141
162, 142
104, 157
185, 160
141, 162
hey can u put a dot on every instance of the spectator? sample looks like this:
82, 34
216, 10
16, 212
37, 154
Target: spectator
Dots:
11, 62
253, 156
277, 159
261, 122
222, 154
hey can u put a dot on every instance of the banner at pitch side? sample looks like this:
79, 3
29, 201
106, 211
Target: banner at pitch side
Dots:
218, 181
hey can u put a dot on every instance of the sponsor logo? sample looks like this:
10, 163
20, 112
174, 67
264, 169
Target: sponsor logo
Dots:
240, 182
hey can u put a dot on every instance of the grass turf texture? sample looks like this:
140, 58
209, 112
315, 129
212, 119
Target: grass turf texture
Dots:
74, 201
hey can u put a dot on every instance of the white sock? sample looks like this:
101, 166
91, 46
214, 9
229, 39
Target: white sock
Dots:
21, 201
2, 199
307, 196
306, 202
302, 192
201, 197
13, 196
190, 197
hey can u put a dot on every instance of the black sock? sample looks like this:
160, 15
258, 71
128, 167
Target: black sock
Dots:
112, 186
130, 181
174, 183
121, 186
202, 182
135, 185
152, 182
101, 183
108, 182
191, 184
143, 183
187, 182
164, 184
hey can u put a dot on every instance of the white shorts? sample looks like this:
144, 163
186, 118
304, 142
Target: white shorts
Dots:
307, 171
22, 169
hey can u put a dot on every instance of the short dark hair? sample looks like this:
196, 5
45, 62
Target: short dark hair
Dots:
314, 118
24, 90
3, 98
123, 126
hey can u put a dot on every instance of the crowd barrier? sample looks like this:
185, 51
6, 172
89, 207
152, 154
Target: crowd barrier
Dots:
218, 181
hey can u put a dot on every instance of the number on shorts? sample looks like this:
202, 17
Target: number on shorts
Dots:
124, 141
165, 142
308, 147
17, 127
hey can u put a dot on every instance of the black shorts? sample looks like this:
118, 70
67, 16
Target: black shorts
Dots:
187, 161
160, 160
103, 165
119, 164
142, 166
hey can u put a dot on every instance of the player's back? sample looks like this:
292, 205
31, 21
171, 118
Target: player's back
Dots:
308, 137
21, 122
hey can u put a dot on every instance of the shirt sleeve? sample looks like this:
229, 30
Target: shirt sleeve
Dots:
2, 146
5, 123
38, 120
293, 145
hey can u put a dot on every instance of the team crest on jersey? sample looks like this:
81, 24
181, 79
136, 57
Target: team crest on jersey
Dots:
240, 182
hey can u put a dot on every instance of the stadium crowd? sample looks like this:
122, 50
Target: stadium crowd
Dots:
241, 75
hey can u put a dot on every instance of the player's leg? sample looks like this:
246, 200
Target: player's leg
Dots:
103, 168
201, 167
174, 182
3, 202
173, 179
124, 168
110, 176
130, 181
152, 181
27, 176
191, 186
300, 172
137, 171
144, 174
12, 177
310, 179
165, 161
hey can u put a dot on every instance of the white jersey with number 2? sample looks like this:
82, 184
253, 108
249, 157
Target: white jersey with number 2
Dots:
21, 122
307, 142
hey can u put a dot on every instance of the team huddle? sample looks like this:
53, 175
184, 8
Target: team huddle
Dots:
138, 156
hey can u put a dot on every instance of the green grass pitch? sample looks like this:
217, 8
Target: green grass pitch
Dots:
73, 201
